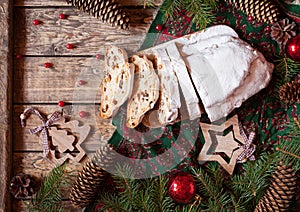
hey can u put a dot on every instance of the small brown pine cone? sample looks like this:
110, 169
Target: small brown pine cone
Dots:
22, 186
283, 30
290, 92
281, 191
106, 10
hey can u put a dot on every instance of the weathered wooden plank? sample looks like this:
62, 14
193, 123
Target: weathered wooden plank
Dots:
101, 130
5, 104
63, 3
86, 33
33, 83
19, 206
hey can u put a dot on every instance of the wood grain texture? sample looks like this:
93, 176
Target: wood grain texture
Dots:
5, 105
33, 83
63, 3
86, 33
101, 130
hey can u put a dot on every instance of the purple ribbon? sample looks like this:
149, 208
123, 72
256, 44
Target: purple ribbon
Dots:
248, 147
46, 124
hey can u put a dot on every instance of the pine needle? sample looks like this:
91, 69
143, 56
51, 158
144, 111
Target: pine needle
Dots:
48, 198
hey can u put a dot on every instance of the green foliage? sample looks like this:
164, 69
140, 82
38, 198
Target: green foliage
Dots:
201, 11
288, 149
285, 70
48, 198
250, 186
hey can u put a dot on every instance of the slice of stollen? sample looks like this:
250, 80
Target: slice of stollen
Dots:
145, 91
169, 102
117, 83
190, 96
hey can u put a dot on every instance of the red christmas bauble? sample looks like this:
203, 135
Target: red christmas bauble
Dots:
293, 48
36, 22
182, 187
69, 46
48, 65
82, 114
61, 103
158, 27
62, 16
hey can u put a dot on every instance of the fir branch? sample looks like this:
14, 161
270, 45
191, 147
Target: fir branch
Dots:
149, 3
250, 186
170, 7
201, 11
48, 198
216, 200
285, 70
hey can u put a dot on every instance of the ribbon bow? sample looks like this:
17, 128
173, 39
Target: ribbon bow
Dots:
248, 147
46, 124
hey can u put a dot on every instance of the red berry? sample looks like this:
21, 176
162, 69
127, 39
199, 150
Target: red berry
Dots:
159, 27
18, 56
81, 82
267, 29
69, 46
250, 18
61, 103
48, 65
98, 56
82, 114
62, 16
36, 22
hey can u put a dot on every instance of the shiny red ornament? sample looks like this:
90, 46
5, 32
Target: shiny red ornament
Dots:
250, 18
267, 29
48, 65
159, 27
70, 46
19, 56
182, 187
62, 16
36, 22
82, 114
292, 48
81, 82
61, 103
98, 56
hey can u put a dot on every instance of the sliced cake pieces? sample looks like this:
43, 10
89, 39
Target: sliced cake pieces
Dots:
117, 83
145, 91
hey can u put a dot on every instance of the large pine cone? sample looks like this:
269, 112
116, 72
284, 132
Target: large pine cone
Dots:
290, 92
92, 177
261, 10
280, 192
107, 10
22, 186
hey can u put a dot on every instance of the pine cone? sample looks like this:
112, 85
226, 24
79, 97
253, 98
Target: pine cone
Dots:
107, 10
22, 186
281, 191
290, 92
283, 30
92, 177
262, 10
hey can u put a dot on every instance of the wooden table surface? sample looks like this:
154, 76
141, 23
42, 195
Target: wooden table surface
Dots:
34, 85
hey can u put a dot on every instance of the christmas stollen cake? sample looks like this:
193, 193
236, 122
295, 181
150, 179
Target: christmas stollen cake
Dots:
212, 67
117, 83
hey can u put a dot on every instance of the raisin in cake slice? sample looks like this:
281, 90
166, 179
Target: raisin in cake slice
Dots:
117, 83
145, 91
